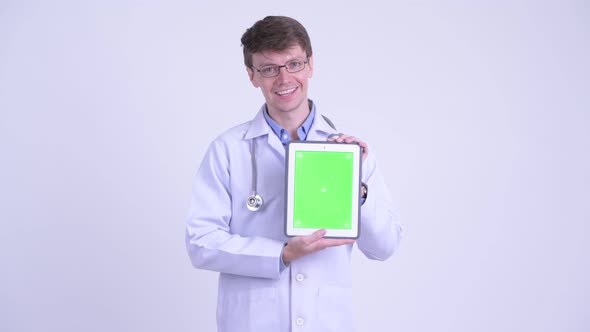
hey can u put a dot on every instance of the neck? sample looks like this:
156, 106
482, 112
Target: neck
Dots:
291, 120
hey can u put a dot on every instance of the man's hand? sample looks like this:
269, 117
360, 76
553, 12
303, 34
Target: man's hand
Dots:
300, 246
351, 139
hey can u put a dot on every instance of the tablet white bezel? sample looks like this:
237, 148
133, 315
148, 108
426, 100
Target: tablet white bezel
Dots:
292, 148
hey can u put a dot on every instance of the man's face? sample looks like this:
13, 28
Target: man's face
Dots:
286, 92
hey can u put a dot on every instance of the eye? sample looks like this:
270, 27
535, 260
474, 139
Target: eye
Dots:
268, 70
295, 65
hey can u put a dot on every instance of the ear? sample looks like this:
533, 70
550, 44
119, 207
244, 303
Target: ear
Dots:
253, 79
310, 64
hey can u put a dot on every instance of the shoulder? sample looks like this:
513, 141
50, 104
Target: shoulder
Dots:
246, 130
226, 146
234, 134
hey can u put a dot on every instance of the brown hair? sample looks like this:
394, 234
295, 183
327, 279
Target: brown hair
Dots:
276, 33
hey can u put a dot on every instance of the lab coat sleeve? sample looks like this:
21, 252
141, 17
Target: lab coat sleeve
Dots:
380, 228
209, 243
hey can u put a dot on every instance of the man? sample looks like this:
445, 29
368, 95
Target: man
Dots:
269, 282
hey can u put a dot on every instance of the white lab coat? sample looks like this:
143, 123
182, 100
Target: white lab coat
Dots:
314, 292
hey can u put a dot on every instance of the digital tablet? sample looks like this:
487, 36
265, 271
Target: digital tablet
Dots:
323, 188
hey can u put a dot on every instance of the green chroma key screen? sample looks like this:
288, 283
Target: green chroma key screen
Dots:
322, 195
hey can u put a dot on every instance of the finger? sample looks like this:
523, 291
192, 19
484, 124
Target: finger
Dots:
336, 242
333, 137
351, 139
313, 237
325, 243
365, 149
336, 136
342, 138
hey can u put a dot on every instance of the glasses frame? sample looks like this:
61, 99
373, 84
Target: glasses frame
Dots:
305, 62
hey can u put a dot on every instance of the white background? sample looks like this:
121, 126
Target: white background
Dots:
478, 111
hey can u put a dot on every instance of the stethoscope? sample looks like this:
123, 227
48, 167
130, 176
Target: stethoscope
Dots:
255, 201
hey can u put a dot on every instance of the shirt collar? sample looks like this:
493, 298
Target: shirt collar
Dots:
283, 134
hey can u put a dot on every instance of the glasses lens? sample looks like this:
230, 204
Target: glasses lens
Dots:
295, 66
269, 71
291, 67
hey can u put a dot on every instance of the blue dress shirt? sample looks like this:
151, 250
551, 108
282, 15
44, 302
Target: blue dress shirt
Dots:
283, 134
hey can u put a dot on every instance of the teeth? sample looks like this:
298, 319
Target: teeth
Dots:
285, 92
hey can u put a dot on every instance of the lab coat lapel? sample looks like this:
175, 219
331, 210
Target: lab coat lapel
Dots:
320, 129
259, 127
274, 142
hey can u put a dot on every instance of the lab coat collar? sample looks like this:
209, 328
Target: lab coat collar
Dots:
320, 129
258, 125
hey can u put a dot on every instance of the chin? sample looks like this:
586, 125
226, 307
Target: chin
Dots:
290, 106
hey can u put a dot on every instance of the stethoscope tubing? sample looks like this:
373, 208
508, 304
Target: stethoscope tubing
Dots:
254, 202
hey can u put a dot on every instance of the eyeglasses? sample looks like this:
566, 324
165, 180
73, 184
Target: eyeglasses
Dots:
293, 66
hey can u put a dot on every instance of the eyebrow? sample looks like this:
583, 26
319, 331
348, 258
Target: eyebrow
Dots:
266, 64
295, 58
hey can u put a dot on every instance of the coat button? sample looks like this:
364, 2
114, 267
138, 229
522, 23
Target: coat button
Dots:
300, 277
299, 321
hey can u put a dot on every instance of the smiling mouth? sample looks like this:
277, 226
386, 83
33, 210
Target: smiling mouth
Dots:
286, 92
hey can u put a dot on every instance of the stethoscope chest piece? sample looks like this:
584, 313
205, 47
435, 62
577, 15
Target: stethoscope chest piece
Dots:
254, 202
